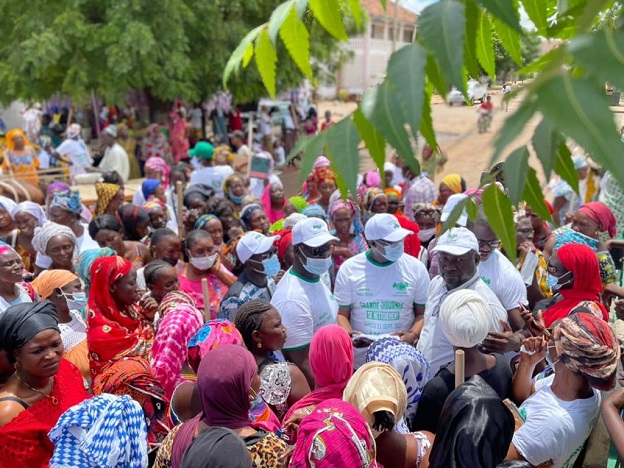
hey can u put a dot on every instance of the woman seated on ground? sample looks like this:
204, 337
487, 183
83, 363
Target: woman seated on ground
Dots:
204, 262
64, 289
108, 232
7, 225
411, 364
377, 391
559, 411
227, 384
110, 198
58, 244
27, 216
466, 319
283, 384
574, 278
42, 387
589, 221
331, 360
475, 428
13, 290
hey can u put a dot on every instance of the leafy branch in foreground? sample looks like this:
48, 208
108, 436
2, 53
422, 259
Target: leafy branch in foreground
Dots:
455, 40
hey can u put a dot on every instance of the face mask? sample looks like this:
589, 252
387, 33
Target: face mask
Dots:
426, 234
317, 266
549, 361
270, 266
76, 301
235, 199
171, 261
393, 252
204, 263
552, 282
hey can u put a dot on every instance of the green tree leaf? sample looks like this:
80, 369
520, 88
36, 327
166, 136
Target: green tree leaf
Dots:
602, 54
545, 144
406, 71
505, 11
515, 170
373, 140
248, 55
302, 7
297, 41
436, 78
512, 127
277, 19
455, 214
266, 60
239, 53
311, 148
580, 109
327, 12
565, 167
533, 195
499, 212
510, 39
485, 45
357, 11
381, 108
426, 123
442, 28
537, 10
470, 45
342, 150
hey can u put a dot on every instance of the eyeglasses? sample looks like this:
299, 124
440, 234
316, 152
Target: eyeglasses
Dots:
384, 243
319, 251
493, 244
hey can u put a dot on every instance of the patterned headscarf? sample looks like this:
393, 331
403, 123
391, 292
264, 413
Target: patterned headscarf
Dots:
350, 205
370, 196
322, 175
12, 134
68, 202
213, 334
82, 265
159, 165
312, 211
32, 209
586, 344
203, 220
105, 193
427, 210
58, 187
247, 212
45, 233
153, 204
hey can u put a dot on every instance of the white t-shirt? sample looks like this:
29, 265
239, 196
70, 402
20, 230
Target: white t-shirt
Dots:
78, 153
433, 342
504, 279
554, 429
196, 118
213, 176
116, 159
305, 306
381, 297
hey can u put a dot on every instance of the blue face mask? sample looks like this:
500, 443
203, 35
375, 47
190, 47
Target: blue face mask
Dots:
317, 266
271, 266
393, 252
553, 283
235, 199
76, 301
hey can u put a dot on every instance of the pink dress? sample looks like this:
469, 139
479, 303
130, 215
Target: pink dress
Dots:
216, 291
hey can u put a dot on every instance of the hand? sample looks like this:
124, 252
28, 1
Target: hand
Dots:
526, 247
502, 342
535, 326
619, 309
149, 307
616, 398
537, 345
226, 261
407, 336
279, 276
217, 265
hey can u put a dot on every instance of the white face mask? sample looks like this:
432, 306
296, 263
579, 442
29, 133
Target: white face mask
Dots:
426, 234
204, 263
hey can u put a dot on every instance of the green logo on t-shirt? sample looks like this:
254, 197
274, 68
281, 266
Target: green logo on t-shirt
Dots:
485, 280
400, 286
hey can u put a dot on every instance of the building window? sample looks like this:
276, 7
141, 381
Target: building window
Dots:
377, 31
408, 35
390, 33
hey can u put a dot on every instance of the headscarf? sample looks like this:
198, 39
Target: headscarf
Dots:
201, 191
292, 219
274, 215
159, 165
203, 220
370, 196
395, 192
322, 175
312, 211
586, 345
8, 204
377, 387
67, 201
10, 145
334, 435
22, 322
32, 209
105, 194
74, 130
49, 280
602, 215
131, 217
298, 202
105, 430
369, 180
409, 363
153, 204
431, 211
582, 261
348, 204
82, 265
45, 233
331, 360
321, 162
475, 428
223, 382
55, 187
453, 182
149, 186
214, 334
466, 318
283, 243
247, 212
217, 447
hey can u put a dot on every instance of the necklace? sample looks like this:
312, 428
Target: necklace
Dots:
53, 398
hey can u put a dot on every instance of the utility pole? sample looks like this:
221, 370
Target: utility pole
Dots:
395, 24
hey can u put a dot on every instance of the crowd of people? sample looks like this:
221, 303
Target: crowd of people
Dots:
248, 328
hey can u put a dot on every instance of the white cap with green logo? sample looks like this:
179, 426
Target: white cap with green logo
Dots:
384, 226
457, 241
312, 232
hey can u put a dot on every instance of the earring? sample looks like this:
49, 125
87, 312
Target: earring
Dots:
259, 345
18, 365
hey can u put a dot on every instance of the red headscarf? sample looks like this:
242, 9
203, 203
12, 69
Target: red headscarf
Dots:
322, 174
283, 243
582, 261
331, 360
601, 214
112, 333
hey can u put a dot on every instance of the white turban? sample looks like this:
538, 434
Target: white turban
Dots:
466, 318
32, 209
7, 204
293, 219
49, 230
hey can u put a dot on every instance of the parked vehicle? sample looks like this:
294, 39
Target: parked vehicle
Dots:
475, 90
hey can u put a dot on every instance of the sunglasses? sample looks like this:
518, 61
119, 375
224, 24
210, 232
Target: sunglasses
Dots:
320, 251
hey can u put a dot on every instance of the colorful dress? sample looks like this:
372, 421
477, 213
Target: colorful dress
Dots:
217, 290
356, 245
22, 165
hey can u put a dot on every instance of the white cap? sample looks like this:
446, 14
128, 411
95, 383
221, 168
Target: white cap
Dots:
292, 219
457, 241
254, 243
450, 205
389, 167
111, 130
386, 227
312, 232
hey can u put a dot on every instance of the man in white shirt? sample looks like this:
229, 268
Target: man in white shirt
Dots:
75, 150
302, 299
115, 157
505, 281
207, 174
458, 254
383, 290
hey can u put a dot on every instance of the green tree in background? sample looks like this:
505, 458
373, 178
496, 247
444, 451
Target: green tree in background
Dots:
505, 66
169, 49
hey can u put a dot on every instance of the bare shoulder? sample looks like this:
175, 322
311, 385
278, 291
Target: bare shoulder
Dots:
9, 410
